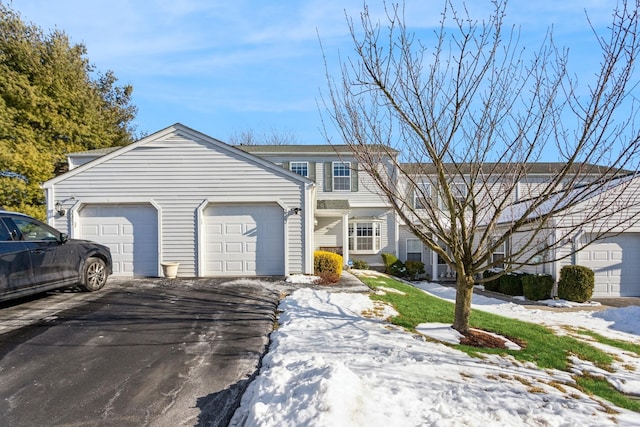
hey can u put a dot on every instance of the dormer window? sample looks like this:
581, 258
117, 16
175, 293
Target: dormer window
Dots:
301, 168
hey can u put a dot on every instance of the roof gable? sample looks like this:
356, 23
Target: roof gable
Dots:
162, 135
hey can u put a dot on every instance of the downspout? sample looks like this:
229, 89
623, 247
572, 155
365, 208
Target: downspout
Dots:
309, 220
345, 238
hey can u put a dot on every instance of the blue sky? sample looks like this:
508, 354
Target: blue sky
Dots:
225, 67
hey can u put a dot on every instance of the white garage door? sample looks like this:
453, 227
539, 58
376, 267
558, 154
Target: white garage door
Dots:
244, 239
616, 264
130, 231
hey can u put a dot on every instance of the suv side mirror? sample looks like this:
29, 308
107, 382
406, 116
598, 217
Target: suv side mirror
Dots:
64, 237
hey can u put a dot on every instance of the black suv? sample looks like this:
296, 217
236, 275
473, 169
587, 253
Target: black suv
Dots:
35, 257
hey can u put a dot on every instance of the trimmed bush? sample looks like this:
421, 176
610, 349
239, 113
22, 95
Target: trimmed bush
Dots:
393, 266
327, 262
491, 285
537, 287
511, 284
359, 264
576, 283
414, 269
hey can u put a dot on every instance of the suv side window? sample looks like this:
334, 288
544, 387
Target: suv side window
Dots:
32, 231
5, 236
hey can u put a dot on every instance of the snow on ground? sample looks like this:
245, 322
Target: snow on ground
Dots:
335, 362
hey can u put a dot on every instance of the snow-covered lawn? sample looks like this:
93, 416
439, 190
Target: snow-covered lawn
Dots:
334, 361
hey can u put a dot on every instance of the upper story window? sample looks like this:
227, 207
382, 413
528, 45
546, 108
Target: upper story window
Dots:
301, 168
458, 191
341, 176
422, 195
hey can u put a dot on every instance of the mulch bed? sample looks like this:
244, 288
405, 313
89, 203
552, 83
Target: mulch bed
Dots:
479, 338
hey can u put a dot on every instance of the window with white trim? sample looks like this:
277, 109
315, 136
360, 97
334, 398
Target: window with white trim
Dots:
341, 176
458, 191
422, 195
364, 236
499, 254
301, 168
414, 250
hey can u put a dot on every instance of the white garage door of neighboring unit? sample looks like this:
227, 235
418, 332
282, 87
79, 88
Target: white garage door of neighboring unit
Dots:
616, 264
244, 239
130, 231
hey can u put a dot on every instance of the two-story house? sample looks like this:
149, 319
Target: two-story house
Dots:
251, 210
219, 210
350, 216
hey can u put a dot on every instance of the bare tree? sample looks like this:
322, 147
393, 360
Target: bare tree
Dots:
471, 116
275, 137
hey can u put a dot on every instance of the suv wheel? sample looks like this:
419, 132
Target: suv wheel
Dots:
95, 274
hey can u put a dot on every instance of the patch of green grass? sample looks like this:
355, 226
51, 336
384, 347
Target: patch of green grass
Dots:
601, 388
623, 345
541, 345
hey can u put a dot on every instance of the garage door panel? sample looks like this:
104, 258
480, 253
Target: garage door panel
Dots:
234, 248
251, 237
130, 232
616, 265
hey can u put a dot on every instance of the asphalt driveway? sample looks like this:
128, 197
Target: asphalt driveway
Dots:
150, 352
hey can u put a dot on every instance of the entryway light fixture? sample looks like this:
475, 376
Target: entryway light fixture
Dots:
59, 210
296, 210
58, 207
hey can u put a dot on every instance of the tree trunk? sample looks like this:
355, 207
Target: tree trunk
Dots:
464, 293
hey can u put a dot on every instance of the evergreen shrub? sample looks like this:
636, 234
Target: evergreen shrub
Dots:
393, 266
511, 284
359, 264
414, 269
576, 283
537, 287
492, 285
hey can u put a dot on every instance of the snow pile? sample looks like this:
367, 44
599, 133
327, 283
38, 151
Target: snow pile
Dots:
625, 319
329, 365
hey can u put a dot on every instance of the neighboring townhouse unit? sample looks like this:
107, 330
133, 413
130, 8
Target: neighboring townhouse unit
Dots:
611, 257
252, 210
350, 217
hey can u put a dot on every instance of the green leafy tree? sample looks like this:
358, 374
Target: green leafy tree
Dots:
52, 102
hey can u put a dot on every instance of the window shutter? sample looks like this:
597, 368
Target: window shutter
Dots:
286, 165
328, 176
411, 197
312, 171
354, 176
